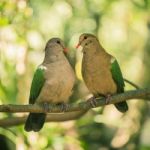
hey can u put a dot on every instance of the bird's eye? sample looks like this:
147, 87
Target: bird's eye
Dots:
58, 42
85, 37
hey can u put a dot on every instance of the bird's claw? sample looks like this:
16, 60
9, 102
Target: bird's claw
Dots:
46, 107
108, 99
64, 107
93, 102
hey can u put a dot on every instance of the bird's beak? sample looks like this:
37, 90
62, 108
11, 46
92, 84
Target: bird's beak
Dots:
65, 50
78, 45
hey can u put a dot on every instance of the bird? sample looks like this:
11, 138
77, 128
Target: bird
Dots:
52, 82
100, 70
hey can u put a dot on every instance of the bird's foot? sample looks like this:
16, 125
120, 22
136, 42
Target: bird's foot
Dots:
46, 107
108, 96
93, 102
64, 107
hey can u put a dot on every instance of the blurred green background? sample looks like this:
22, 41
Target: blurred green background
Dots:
123, 28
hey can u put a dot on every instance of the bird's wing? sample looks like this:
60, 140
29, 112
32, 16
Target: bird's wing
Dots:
117, 75
37, 84
118, 78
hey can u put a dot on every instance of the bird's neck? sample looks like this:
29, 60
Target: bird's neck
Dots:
93, 49
50, 57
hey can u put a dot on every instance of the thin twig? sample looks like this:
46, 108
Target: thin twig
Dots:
131, 83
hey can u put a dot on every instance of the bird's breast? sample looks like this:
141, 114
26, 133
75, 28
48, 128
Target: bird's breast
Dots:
97, 76
59, 82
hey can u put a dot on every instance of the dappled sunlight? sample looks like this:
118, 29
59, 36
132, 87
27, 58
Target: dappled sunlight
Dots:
120, 139
145, 134
122, 28
35, 40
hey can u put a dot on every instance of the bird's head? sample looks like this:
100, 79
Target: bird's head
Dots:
86, 39
56, 45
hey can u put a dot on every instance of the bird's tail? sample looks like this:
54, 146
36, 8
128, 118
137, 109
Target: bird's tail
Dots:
35, 122
122, 106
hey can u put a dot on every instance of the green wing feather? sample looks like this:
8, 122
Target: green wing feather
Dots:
37, 84
118, 78
35, 121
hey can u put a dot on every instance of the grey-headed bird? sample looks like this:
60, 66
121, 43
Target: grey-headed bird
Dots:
52, 82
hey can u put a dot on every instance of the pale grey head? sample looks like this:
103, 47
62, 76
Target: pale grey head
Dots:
55, 45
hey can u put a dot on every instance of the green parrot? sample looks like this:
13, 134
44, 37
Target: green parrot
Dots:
101, 72
52, 82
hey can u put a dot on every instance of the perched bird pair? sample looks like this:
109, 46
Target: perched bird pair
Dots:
54, 78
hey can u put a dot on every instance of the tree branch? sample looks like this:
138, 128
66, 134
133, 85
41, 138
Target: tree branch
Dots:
138, 94
9, 122
74, 111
